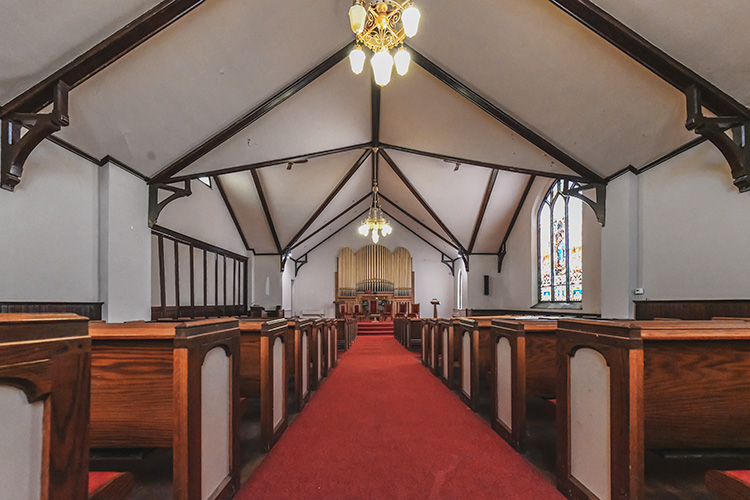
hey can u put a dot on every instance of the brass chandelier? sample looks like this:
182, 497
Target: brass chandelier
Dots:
381, 25
375, 221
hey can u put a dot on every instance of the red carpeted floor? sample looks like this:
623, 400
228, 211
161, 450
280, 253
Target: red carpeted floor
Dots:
382, 426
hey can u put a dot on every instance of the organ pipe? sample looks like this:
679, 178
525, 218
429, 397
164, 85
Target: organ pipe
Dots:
374, 268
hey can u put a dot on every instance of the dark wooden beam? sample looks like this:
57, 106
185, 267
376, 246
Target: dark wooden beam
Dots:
328, 200
272, 163
421, 200
102, 54
219, 186
375, 107
477, 163
269, 220
449, 243
413, 232
483, 209
303, 240
335, 232
675, 152
659, 62
189, 240
517, 212
505, 118
251, 116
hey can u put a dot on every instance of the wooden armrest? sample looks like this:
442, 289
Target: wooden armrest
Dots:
729, 485
109, 485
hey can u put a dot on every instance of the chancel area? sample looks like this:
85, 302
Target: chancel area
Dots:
374, 249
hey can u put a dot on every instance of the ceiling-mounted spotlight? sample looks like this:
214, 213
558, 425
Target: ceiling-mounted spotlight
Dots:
290, 163
458, 164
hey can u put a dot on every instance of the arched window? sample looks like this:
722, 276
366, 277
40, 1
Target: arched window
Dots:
460, 290
560, 245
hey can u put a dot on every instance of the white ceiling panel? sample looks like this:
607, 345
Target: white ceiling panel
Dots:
395, 192
504, 200
407, 223
420, 112
38, 38
331, 112
358, 186
711, 38
196, 77
294, 195
455, 196
244, 200
559, 78
348, 221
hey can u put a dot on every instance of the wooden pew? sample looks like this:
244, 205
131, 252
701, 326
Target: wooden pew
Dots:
466, 345
729, 485
524, 364
343, 331
332, 358
263, 373
427, 326
171, 385
400, 329
413, 333
109, 485
299, 334
629, 385
317, 353
445, 345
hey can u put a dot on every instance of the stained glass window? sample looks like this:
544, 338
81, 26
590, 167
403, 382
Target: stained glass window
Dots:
561, 245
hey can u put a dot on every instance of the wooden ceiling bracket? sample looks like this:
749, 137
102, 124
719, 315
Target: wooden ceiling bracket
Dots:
500, 257
451, 263
735, 149
155, 206
298, 263
15, 149
598, 205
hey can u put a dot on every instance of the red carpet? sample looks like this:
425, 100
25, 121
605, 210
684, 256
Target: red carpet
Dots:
381, 426
375, 328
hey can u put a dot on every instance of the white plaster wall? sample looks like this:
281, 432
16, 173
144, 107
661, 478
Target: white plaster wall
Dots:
49, 230
267, 281
620, 248
516, 286
124, 246
315, 287
694, 231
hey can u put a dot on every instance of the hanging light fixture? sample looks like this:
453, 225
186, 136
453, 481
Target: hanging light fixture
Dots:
382, 25
375, 224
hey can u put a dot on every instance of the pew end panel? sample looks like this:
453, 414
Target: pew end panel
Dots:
302, 370
466, 338
200, 421
45, 368
425, 348
445, 339
333, 354
729, 485
413, 333
434, 354
263, 348
317, 353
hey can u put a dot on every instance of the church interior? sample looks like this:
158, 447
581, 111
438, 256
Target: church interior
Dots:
374, 249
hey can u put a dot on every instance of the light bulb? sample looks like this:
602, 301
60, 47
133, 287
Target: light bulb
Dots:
363, 230
403, 58
375, 237
410, 20
382, 65
357, 59
357, 16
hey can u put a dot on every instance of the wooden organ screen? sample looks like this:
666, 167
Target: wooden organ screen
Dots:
194, 279
374, 269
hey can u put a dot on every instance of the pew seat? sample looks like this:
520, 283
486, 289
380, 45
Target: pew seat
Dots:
109, 485
729, 485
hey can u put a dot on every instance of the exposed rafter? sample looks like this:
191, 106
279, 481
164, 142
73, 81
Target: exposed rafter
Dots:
477, 163
375, 92
306, 238
505, 118
482, 209
102, 55
501, 251
264, 204
327, 238
273, 163
669, 69
449, 243
253, 115
414, 233
421, 200
223, 193
327, 201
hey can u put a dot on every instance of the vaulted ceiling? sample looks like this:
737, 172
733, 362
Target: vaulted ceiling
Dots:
259, 96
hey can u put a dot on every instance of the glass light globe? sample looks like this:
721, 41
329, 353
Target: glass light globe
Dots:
375, 237
357, 59
363, 230
382, 66
357, 16
410, 20
403, 58
386, 229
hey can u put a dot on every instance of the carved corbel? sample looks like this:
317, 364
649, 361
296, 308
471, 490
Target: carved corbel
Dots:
599, 206
298, 263
155, 206
734, 148
15, 148
448, 262
501, 257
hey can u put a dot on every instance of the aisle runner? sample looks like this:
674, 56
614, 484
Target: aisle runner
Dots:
383, 427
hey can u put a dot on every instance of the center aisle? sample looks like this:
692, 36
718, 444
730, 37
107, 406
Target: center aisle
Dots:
382, 426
